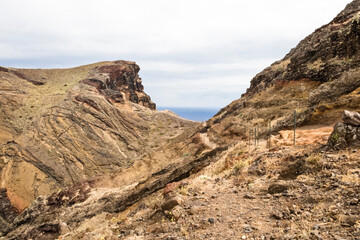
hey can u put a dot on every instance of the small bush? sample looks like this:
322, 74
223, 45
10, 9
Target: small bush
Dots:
313, 159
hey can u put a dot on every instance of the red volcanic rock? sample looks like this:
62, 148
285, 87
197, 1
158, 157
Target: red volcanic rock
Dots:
120, 82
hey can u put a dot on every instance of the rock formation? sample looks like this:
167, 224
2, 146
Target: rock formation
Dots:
322, 56
61, 126
7, 211
88, 139
317, 79
347, 133
351, 118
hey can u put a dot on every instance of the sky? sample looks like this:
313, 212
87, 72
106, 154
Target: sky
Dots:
192, 53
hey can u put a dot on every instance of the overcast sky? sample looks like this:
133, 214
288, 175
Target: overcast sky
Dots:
200, 53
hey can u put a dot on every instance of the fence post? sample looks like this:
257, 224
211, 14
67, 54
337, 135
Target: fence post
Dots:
270, 134
249, 137
294, 126
258, 132
255, 136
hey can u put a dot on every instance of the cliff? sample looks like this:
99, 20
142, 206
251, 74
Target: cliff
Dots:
61, 126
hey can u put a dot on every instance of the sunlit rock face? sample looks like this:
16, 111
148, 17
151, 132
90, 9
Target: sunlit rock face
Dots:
59, 126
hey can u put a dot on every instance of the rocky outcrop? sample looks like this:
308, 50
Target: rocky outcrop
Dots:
317, 79
81, 122
346, 134
351, 118
7, 211
120, 82
322, 56
74, 124
332, 90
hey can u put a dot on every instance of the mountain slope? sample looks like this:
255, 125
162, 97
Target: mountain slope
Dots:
317, 79
62, 126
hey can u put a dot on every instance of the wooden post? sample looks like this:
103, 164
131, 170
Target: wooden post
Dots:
255, 136
258, 132
249, 137
270, 134
294, 126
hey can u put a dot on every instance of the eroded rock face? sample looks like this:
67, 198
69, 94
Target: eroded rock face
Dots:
45, 216
120, 82
322, 56
7, 211
317, 79
79, 123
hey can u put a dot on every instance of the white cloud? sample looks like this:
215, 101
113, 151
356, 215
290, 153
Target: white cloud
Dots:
183, 41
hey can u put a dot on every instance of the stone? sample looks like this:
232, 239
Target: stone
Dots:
354, 201
277, 215
249, 196
247, 228
169, 204
351, 118
194, 210
7, 211
177, 212
211, 220
348, 220
293, 169
277, 188
343, 136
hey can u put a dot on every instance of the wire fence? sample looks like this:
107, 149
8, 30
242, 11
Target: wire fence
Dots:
256, 129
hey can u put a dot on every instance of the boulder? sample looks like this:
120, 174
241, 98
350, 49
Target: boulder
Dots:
343, 136
351, 118
171, 203
277, 188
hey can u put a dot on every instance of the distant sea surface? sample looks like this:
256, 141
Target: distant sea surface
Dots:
195, 114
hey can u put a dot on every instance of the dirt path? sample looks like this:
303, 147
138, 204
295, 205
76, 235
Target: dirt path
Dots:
205, 139
303, 136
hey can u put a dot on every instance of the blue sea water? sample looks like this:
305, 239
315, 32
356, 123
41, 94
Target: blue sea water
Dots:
195, 114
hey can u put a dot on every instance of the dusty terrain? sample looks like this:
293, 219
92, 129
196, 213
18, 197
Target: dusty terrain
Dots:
87, 150
250, 193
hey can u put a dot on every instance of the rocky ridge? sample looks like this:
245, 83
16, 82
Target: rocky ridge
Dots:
318, 79
207, 182
62, 126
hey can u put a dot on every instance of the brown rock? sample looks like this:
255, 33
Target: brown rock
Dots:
292, 170
7, 211
177, 212
277, 188
169, 204
348, 221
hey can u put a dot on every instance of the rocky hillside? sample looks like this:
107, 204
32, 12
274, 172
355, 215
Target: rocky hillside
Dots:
143, 174
317, 79
61, 126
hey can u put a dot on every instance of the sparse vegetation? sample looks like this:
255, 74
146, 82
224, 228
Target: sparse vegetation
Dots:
313, 159
335, 137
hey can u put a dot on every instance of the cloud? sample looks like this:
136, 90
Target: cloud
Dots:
179, 45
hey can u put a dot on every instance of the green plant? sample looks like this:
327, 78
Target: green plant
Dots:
185, 155
240, 165
313, 159
335, 137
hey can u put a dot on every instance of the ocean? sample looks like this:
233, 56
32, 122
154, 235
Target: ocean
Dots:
195, 114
